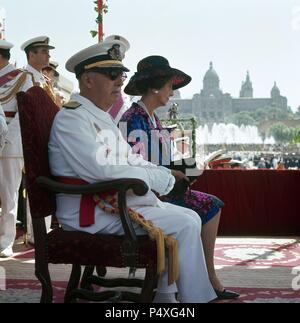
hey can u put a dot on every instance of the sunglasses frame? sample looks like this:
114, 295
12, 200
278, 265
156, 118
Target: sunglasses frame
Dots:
112, 74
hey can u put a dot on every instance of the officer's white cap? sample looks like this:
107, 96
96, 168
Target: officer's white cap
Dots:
40, 41
5, 44
53, 65
107, 54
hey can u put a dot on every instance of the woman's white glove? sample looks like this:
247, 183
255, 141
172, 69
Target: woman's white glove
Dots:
161, 180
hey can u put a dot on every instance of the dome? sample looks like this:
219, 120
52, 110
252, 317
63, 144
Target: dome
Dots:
211, 82
211, 74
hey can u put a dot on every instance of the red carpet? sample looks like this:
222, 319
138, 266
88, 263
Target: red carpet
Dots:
28, 291
275, 255
259, 269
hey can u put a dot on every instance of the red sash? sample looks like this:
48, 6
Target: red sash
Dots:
87, 203
9, 114
9, 76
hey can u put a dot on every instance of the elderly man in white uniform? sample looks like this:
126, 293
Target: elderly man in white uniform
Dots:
86, 144
12, 81
38, 56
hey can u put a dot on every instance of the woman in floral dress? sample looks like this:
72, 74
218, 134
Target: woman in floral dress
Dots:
155, 82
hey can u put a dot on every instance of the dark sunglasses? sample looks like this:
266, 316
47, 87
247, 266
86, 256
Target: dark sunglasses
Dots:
113, 74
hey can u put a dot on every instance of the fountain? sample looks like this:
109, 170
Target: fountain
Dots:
230, 134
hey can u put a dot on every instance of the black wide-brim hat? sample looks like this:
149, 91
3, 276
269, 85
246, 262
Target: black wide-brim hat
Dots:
152, 67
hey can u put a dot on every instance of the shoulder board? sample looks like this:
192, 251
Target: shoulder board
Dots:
72, 105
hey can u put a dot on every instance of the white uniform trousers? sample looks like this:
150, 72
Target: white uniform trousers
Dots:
185, 225
10, 180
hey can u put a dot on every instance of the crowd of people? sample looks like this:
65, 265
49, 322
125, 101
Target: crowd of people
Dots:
260, 156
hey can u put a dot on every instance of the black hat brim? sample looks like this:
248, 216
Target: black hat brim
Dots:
180, 79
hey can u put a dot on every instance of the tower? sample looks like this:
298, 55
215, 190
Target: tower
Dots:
275, 92
247, 88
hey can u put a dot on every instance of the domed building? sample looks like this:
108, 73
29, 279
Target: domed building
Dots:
211, 83
212, 105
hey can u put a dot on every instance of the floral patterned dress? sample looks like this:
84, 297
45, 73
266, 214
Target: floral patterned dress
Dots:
136, 119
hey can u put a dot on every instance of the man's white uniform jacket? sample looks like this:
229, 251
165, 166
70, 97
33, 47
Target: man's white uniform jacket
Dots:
13, 146
85, 143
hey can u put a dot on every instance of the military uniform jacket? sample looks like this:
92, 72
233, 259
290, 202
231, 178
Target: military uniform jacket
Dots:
85, 143
38, 77
13, 143
3, 128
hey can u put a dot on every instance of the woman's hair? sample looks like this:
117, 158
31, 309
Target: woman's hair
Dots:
152, 83
5, 53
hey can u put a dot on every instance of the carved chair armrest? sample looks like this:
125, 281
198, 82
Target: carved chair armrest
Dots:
138, 186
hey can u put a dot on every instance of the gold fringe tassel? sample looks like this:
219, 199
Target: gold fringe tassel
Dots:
154, 232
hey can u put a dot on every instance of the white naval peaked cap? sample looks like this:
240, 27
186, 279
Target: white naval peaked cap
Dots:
53, 64
113, 38
5, 44
40, 41
106, 54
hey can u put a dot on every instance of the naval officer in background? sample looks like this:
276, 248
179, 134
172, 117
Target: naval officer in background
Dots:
12, 81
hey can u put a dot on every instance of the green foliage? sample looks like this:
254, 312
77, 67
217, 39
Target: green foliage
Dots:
260, 115
297, 114
296, 137
94, 33
99, 19
283, 133
242, 118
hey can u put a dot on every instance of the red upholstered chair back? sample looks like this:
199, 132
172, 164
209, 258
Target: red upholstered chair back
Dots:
37, 112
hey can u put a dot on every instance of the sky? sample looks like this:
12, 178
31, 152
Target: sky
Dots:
262, 36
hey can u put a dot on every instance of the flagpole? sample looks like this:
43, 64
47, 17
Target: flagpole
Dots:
116, 108
100, 23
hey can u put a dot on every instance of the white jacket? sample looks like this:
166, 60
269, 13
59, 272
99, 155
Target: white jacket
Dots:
13, 146
85, 143
3, 128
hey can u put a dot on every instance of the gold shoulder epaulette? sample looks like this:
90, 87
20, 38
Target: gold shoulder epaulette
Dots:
72, 105
29, 74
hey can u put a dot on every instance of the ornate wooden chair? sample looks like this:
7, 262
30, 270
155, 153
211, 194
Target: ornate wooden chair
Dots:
37, 112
